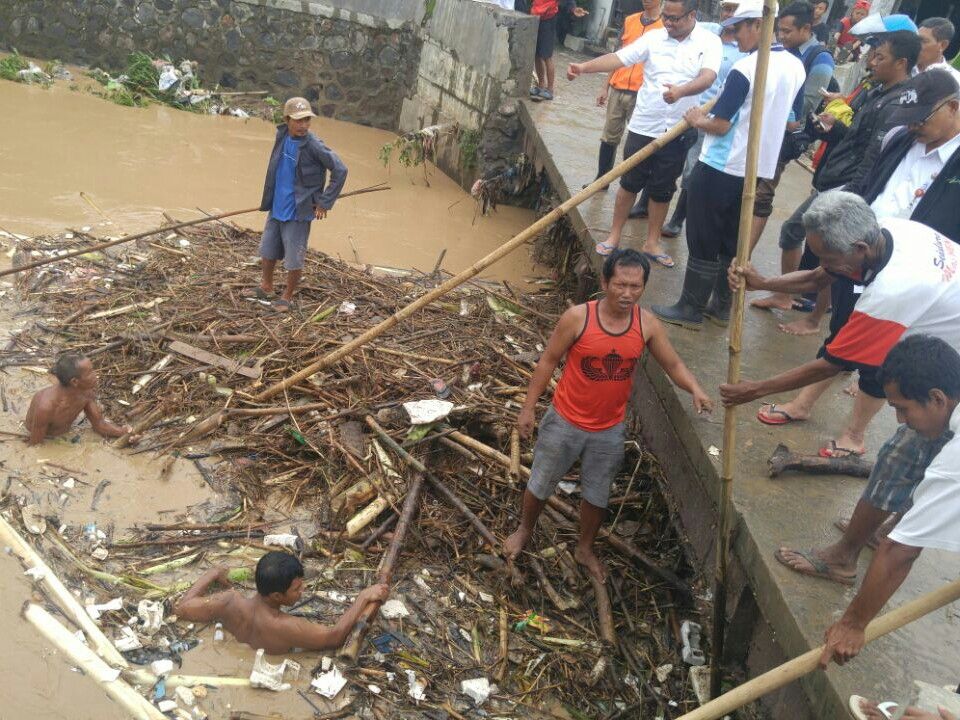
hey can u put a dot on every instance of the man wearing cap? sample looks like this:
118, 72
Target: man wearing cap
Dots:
679, 62
716, 184
294, 193
936, 34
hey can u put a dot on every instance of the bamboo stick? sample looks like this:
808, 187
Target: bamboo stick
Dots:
68, 603
604, 611
520, 239
140, 427
809, 661
351, 648
515, 455
94, 667
366, 516
736, 333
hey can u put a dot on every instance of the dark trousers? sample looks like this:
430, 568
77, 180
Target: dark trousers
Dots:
713, 213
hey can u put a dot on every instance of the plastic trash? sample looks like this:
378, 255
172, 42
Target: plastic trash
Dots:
169, 76
422, 412
393, 609
330, 683
95, 611
33, 519
185, 695
100, 553
218, 632
90, 532
690, 633
286, 540
347, 308
663, 672
415, 688
151, 615
161, 667
270, 676
166, 706
477, 690
127, 640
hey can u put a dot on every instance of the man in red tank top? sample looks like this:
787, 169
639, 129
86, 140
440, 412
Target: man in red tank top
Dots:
603, 341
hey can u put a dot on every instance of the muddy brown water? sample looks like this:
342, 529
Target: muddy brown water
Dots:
135, 164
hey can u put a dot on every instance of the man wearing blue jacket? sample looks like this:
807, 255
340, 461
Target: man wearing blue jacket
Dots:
294, 193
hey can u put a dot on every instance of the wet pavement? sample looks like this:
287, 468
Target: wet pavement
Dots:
797, 510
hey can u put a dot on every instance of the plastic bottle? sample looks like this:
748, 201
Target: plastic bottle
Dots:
218, 632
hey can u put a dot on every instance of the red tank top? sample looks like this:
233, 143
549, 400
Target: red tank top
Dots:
595, 385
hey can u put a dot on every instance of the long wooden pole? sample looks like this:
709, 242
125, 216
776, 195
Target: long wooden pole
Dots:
736, 332
528, 234
808, 662
351, 648
167, 228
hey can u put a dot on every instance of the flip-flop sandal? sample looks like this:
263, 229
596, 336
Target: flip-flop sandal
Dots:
819, 568
604, 248
256, 293
664, 260
832, 450
842, 524
281, 306
804, 305
770, 416
887, 709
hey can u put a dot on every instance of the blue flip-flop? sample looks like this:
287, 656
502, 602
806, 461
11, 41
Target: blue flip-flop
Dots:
663, 260
604, 248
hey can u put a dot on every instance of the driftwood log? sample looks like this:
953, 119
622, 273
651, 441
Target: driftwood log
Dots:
783, 460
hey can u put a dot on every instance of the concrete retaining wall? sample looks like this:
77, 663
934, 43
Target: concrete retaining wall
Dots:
355, 64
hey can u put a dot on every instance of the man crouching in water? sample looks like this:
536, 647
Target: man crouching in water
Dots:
258, 621
53, 409
603, 340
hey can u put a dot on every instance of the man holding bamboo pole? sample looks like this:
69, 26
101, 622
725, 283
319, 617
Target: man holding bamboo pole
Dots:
603, 341
716, 183
295, 192
921, 379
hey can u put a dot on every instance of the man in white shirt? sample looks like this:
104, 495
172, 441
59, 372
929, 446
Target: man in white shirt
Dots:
716, 183
936, 34
679, 62
921, 378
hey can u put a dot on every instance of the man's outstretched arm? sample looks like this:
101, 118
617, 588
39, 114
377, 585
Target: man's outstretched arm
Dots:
807, 374
301, 633
197, 606
100, 424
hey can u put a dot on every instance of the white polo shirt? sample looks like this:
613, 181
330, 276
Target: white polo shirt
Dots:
942, 65
913, 176
668, 62
934, 519
728, 152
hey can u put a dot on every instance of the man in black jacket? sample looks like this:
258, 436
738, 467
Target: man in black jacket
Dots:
917, 175
294, 193
853, 150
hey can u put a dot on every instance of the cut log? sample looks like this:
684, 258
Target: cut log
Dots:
783, 460
209, 358
604, 611
354, 496
147, 378
515, 455
140, 427
366, 516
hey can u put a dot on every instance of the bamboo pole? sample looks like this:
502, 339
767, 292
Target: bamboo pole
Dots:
94, 667
351, 648
736, 333
67, 602
809, 661
167, 228
483, 263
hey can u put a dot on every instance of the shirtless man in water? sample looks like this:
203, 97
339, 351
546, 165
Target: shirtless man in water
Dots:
602, 341
258, 621
53, 410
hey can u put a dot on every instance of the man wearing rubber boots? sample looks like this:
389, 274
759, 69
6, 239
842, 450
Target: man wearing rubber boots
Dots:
294, 193
602, 340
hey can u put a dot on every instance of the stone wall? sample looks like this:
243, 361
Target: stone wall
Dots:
355, 64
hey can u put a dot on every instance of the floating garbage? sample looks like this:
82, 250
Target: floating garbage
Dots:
292, 542
270, 676
423, 412
330, 683
95, 611
477, 690
151, 616
393, 609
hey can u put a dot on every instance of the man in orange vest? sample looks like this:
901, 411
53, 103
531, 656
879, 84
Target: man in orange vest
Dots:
602, 342
619, 93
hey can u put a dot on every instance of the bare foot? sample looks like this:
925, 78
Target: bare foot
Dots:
871, 710
853, 389
777, 301
586, 557
513, 545
803, 326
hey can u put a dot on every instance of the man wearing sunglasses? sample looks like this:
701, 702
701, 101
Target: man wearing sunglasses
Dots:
680, 61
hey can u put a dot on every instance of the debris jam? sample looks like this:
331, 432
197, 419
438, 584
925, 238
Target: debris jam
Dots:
324, 471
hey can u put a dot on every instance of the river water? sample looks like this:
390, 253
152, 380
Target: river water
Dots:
135, 163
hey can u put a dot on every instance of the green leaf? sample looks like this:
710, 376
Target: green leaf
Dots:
418, 432
503, 307
324, 314
296, 435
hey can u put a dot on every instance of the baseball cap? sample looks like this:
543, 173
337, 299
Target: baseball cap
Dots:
297, 108
876, 25
922, 95
748, 10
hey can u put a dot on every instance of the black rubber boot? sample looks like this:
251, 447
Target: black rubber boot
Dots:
606, 158
718, 309
674, 226
640, 209
697, 286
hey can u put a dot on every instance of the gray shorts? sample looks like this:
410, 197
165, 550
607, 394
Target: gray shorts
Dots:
285, 241
901, 464
560, 444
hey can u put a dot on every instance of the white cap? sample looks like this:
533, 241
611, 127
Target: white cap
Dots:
748, 10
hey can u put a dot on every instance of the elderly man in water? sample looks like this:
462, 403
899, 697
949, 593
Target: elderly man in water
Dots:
295, 193
258, 620
53, 410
